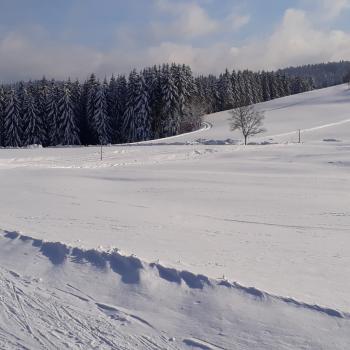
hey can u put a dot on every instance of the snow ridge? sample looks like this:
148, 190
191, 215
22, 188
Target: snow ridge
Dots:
130, 267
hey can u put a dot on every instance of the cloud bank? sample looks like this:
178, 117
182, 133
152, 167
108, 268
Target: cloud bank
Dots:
295, 40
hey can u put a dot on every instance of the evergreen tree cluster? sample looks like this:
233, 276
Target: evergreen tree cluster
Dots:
156, 102
236, 89
322, 75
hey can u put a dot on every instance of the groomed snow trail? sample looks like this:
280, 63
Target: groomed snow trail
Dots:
194, 209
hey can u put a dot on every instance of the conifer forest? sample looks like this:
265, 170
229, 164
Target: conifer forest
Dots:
156, 102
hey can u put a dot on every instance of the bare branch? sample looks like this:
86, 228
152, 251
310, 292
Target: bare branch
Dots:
247, 120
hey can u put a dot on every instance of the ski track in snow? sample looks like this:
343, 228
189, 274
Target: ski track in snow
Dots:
33, 317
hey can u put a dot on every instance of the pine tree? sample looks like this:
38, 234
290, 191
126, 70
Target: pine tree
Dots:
12, 121
129, 121
152, 77
101, 120
116, 101
33, 132
112, 107
273, 83
170, 101
225, 91
53, 116
68, 130
91, 89
2, 116
42, 105
265, 86
79, 101
142, 112
241, 90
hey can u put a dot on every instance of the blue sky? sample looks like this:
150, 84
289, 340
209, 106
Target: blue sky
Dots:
61, 38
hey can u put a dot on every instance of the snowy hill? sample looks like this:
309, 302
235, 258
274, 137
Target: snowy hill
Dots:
273, 216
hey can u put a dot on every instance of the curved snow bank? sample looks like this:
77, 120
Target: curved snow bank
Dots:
56, 296
131, 268
205, 126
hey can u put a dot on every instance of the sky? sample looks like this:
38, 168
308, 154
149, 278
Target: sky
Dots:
72, 38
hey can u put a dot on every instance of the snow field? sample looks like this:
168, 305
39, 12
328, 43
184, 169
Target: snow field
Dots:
272, 216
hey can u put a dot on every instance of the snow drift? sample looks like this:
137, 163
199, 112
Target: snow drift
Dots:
66, 296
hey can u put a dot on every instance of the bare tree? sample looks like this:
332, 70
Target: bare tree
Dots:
248, 121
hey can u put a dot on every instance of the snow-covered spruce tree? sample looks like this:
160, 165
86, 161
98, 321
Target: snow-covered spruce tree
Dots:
286, 85
12, 121
33, 133
265, 86
247, 81
182, 96
258, 88
20, 92
152, 77
274, 88
78, 105
121, 104
112, 107
101, 119
42, 105
116, 101
170, 103
191, 111
207, 93
91, 87
137, 116
53, 116
241, 90
213, 91
299, 85
200, 93
68, 130
186, 89
142, 117
129, 127
235, 89
225, 90
2, 115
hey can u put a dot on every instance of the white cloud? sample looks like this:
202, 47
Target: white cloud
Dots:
296, 40
236, 21
333, 8
325, 10
189, 20
25, 57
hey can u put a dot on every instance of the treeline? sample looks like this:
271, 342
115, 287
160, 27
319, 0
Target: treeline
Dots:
156, 102
235, 89
322, 75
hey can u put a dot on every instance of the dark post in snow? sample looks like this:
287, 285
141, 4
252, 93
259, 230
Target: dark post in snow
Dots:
299, 136
101, 151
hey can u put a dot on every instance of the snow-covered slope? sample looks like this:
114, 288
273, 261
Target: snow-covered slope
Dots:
192, 209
